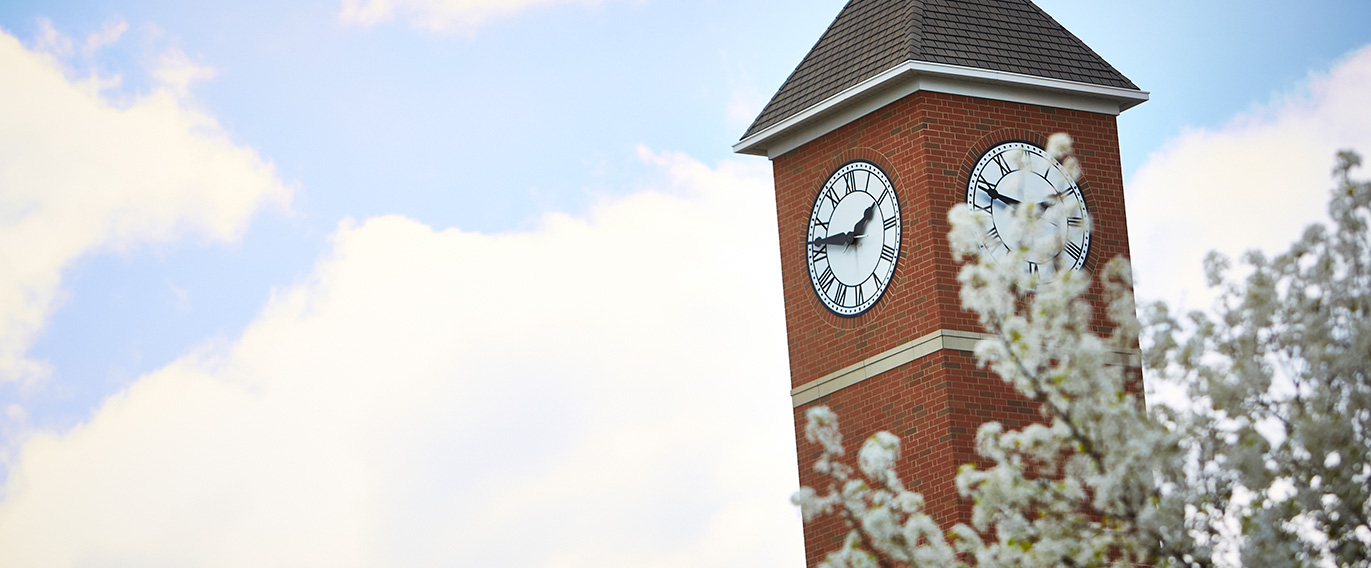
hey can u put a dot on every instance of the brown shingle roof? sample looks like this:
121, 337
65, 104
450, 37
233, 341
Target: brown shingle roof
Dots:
871, 36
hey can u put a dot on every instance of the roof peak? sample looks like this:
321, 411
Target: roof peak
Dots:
869, 37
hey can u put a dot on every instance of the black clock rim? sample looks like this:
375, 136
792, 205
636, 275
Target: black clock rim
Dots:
894, 265
995, 145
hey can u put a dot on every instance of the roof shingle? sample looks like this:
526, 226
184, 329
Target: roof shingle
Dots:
872, 36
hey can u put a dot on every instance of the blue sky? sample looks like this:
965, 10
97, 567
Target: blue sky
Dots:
377, 147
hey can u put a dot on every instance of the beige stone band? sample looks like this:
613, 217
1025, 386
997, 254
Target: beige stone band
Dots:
853, 374
923, 346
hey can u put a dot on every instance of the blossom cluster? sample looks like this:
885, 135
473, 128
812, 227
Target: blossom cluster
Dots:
1269, 466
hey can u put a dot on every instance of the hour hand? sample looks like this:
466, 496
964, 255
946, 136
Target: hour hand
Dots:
838, 239
997, 195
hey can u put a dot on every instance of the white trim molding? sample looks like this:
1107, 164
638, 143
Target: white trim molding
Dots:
853, 374
913, 76
917, 349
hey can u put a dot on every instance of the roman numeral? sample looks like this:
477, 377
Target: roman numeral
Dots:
831, 195
840, 295
1075, 222
888, 253
891, 222
983, 185
878, 282
826, 278
1074, 250
818, 253
1004, 166
860, 296
993, 233
884, 190
1032, 268
851, 179
823, 224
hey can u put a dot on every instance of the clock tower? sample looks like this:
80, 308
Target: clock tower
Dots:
903, 109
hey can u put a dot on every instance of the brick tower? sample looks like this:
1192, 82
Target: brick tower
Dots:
899, 112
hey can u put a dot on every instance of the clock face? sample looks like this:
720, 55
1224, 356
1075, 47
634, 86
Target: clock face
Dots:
853, 241
1018, 174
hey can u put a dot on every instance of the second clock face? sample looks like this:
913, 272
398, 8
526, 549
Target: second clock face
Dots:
1012, 175
853, 240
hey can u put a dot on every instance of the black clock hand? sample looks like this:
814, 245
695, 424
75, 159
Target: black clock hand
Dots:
1047, 201
996, 195
838, 239
849, 237
860, 228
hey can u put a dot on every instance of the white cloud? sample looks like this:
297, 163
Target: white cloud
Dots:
1255, 183
462, 16
108, 34
80, 174
175, 72
51, 41
182, 298
601, 391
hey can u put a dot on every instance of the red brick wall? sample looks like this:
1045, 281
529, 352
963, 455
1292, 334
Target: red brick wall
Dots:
934, 404
927, 144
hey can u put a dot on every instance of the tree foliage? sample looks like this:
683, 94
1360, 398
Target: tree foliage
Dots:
1268, 464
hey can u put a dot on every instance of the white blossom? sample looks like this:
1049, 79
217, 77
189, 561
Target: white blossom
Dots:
1270, 465
877, 456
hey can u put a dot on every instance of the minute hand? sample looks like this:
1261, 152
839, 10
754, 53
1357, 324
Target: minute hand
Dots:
860, 228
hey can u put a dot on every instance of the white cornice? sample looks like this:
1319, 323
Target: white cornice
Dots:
913, 76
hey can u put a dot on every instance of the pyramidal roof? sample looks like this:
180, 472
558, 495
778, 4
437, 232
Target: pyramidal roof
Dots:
873, 36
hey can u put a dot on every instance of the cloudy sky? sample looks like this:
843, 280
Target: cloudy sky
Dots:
479, 282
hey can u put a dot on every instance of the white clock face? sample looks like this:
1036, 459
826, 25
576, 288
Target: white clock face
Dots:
1018, 174
853, 241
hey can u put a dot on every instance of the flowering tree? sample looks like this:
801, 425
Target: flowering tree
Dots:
1269, 466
